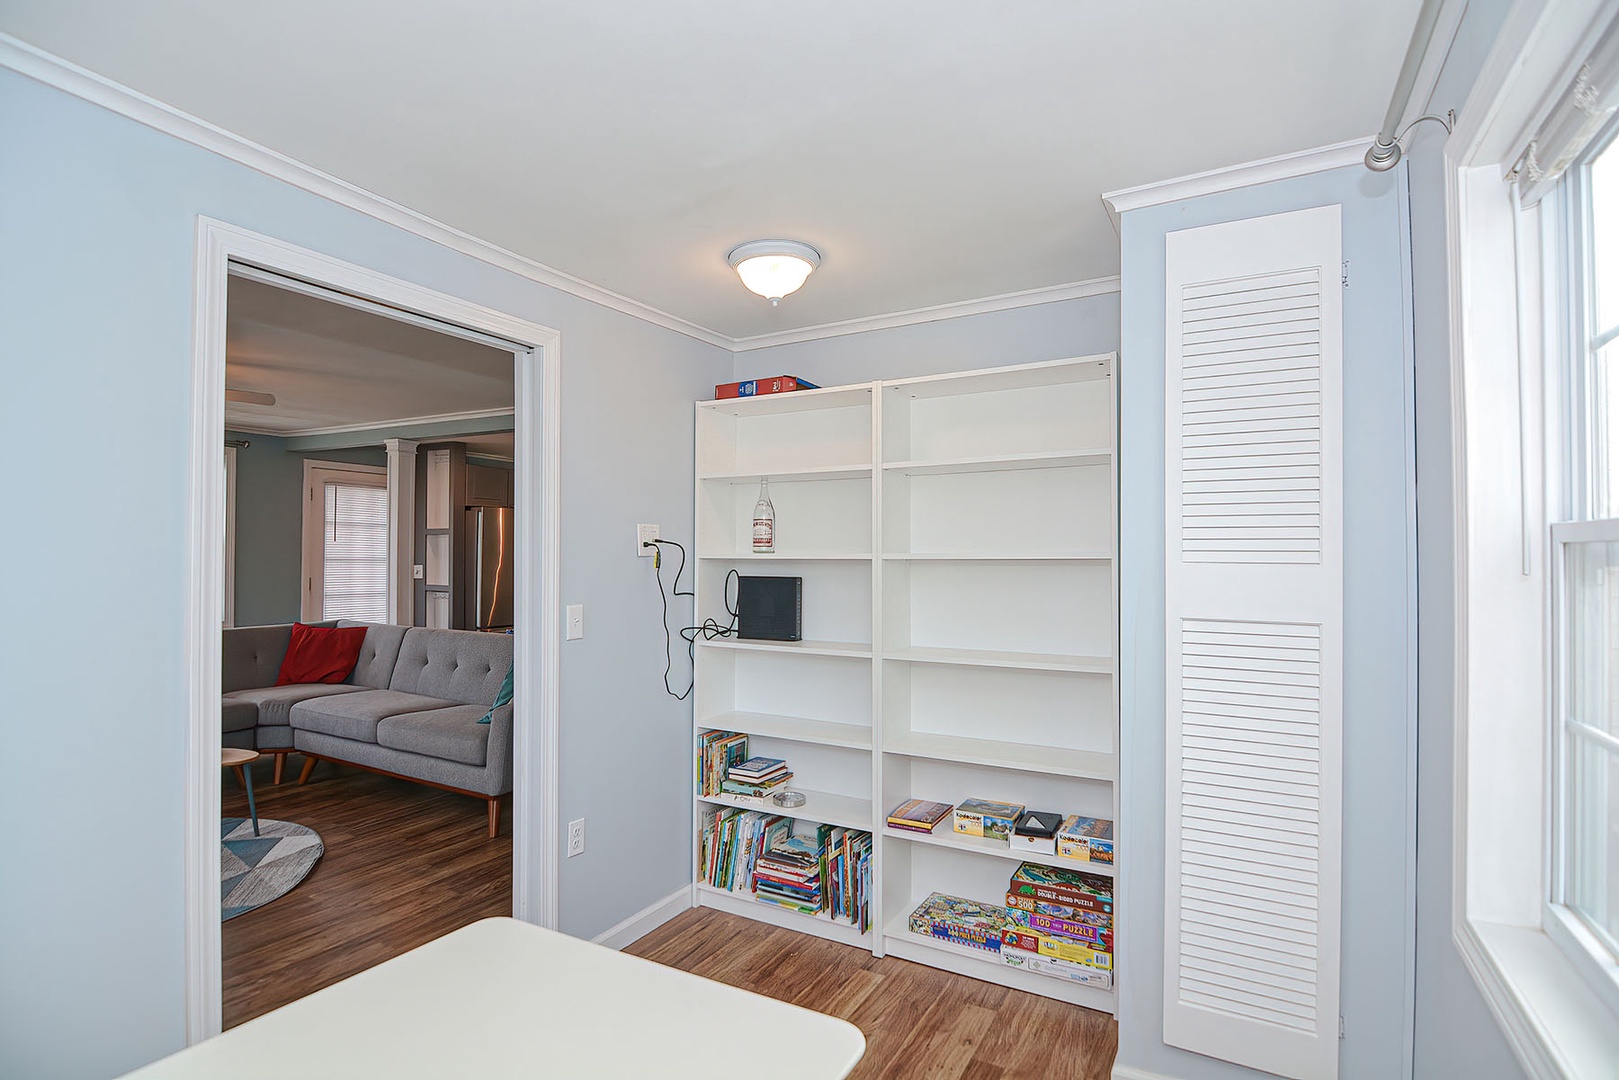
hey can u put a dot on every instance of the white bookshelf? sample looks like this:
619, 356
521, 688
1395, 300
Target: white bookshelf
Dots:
956, 538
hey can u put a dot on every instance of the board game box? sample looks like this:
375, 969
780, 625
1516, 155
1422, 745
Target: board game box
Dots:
1057, 948
986, 818
1053, 884
1085, 839
961, 922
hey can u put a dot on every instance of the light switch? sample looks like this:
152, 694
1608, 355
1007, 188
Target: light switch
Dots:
576, 621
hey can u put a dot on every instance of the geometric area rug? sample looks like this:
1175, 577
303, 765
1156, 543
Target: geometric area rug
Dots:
253, 870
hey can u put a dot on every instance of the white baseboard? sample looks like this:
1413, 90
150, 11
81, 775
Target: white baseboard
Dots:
1125, 1072
646, 920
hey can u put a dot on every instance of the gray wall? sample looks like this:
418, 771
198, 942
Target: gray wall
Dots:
1456, 1034
1020, 336
1378, 588
98, 227
269, 523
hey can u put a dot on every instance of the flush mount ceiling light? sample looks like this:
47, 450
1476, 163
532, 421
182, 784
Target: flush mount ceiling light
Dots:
773, 268
249, 397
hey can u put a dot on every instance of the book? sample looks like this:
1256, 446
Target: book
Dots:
1089, 892
717, 751
918, 815
780, 384
1085, 839
984, 817
754, 791
757, 768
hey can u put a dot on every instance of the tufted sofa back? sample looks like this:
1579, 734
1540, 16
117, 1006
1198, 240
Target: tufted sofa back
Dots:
377, 656
252, 655
455, 665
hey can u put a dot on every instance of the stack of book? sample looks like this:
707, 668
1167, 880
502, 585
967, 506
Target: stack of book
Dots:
790, 873
971, 923
918, 815
756, 777
733, 841
848, 876
717, 751
1063, 924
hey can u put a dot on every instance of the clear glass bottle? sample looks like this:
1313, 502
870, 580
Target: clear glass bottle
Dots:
764, 521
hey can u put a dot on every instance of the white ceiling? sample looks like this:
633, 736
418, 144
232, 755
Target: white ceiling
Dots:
933, 150
332, 366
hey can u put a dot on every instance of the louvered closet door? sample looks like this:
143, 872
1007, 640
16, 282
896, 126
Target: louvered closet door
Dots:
1254, 658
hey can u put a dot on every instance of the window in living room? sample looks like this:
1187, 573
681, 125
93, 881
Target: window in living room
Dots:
345, 543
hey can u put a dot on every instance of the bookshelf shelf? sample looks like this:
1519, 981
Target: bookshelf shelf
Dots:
820, 925
1089, 665
1000, 557
956, 536
1052, 760
851, 649
818, 806
899, 940
788, 476
977, 845
1002, 462
793, 728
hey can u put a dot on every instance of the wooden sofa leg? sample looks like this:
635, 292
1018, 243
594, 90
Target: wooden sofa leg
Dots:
309, 767
494, 817
280, 763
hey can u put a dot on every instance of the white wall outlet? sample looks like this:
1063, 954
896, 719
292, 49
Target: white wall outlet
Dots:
643, 535
576, 837
576, 621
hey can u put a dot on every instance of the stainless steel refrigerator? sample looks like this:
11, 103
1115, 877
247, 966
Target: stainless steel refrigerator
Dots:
491, 551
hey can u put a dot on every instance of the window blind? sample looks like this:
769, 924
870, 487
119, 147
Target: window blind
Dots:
354, 553
1570, 121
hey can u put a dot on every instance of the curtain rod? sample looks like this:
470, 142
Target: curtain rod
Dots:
1385, 151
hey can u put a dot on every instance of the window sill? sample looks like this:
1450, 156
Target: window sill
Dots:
1556, 1025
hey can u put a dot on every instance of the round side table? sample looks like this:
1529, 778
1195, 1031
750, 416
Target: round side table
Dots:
233, 758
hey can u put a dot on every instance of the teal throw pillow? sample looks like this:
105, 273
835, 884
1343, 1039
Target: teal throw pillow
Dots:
502, 698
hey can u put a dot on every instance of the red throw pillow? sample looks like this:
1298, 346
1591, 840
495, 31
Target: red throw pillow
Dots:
321, 654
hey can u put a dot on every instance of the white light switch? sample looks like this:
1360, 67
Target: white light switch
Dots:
576, 621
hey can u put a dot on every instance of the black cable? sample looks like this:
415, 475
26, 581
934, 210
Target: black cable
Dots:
709, 629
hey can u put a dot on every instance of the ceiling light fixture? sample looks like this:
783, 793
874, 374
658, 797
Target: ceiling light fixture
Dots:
773, 268
249, 397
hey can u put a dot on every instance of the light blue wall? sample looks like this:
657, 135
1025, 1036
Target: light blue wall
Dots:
1378, 588
97, 225
269, 524
1019, 336
1456, 1034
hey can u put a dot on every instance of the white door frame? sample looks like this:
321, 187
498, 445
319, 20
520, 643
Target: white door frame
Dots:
536, 657
312, 526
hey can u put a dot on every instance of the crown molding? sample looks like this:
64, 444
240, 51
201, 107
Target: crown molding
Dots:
1050, 294
447, 426
1250, 174
53, 71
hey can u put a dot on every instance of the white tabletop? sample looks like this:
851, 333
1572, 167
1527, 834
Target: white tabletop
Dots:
503, 998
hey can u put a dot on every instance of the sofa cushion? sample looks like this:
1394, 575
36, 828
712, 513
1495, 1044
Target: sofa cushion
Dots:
377, 656
356, 715
252, 655
275, 702
460, 666
320, 654
238, 715
453, 734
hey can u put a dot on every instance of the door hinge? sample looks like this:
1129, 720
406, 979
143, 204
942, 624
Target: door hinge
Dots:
1346, 273
1340, 1025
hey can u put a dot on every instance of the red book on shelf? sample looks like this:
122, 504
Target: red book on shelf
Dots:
780, 384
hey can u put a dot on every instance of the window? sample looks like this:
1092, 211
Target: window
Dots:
345, 542
1585, 842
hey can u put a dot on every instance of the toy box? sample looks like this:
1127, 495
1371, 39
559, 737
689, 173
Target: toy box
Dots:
986, 818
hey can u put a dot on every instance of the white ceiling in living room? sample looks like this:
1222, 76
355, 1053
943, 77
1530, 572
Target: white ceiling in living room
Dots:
333, 366
933, 150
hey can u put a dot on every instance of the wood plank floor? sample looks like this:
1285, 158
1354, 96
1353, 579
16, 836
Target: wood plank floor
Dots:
918, 1022
404, 864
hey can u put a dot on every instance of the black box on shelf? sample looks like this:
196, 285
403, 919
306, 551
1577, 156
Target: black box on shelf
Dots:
770, 608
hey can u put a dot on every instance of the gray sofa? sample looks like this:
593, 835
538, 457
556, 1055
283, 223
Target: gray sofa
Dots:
409, 709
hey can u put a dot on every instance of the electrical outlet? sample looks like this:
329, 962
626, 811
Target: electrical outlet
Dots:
643, 534
576, 621
576, 837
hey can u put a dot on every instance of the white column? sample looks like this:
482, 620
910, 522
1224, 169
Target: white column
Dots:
401, 531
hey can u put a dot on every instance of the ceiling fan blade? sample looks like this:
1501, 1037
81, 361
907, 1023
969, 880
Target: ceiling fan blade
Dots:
249, 397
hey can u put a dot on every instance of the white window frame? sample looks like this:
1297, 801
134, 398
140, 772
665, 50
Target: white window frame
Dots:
230, 536
316, 473
1507, 557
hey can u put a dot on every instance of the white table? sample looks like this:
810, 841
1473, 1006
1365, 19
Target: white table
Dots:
503, 998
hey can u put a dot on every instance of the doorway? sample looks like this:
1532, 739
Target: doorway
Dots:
224, 250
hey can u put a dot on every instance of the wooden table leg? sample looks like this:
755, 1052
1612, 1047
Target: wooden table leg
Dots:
241, 777
252, 809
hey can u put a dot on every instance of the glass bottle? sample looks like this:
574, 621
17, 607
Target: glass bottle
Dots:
764, 521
